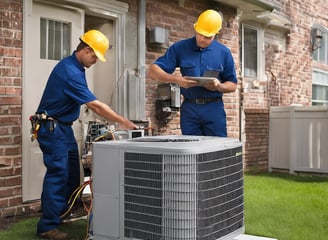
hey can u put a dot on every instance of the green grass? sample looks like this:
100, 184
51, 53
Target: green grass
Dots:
26, 230
286, 207
280, 206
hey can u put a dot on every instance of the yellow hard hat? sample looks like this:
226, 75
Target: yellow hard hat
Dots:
97, 41
209, 23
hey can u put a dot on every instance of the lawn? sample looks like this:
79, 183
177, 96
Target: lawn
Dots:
286, 207
25, 230
280, 206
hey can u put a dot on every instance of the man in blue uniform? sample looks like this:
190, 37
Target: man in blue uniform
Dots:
202, 111
65, 92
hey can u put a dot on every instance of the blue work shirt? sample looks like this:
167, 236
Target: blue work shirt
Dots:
194, 61
66, 91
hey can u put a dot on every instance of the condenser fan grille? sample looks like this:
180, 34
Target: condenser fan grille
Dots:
143, 195
183, 196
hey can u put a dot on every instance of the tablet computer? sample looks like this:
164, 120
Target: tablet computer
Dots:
211, 73
201, 80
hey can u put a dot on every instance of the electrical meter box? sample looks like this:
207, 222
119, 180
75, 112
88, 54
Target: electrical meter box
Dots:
168, 91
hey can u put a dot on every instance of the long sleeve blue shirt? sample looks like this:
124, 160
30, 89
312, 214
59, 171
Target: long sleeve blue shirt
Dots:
66, 91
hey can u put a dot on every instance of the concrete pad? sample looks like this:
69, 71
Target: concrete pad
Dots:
250, 237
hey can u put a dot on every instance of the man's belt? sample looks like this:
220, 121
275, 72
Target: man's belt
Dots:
60, 122
43, 117
203, 100
65, 123
40, 118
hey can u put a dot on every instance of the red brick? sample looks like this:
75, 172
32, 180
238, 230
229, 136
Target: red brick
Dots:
15, 201
9, 191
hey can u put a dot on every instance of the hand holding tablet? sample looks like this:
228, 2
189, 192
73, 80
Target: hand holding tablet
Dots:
209, 75
201, 80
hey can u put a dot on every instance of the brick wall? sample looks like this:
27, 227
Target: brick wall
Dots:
256, 140
11, 25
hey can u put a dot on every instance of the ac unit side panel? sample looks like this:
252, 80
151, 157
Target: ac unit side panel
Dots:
107, 192
106, 213
106, 170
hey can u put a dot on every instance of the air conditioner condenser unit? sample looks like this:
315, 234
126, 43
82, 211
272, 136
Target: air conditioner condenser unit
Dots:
168, 188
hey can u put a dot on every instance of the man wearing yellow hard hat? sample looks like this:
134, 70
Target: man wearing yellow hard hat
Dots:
208, 71
65, 92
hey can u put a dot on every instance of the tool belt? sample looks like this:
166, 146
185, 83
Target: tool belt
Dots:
36, 120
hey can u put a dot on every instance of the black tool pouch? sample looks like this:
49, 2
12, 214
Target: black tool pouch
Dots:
36, 120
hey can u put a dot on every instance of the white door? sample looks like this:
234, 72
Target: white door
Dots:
36, 69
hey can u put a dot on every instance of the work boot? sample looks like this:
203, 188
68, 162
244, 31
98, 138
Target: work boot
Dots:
53, 234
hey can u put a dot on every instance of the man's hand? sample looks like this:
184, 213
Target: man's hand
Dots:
127, 124
106, 112
213, 85
156, 73
216, 86
185, 83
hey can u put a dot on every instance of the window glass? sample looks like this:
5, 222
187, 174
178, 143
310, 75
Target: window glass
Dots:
250, 52
43, 39
55, 39
321, 54
323, 49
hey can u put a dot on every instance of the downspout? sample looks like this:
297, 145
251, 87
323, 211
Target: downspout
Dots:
141, 69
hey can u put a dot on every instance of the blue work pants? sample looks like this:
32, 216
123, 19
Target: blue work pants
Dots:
61, 158
203, 119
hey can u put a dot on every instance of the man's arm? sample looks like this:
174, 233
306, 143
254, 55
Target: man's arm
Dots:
225, 87
106, 112
156, 73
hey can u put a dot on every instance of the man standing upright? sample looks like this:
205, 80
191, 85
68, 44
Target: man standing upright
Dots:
202, 111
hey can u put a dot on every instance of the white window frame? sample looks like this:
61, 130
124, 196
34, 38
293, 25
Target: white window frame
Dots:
260, 73
324, 84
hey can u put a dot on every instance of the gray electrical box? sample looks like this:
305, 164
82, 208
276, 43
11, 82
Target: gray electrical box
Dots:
159, 35
167, 91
